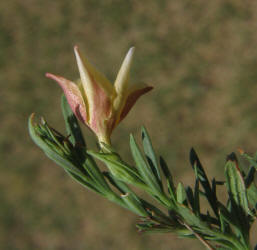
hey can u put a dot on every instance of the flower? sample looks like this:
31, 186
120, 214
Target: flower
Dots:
97, 102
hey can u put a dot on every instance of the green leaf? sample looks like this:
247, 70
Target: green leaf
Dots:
223, 223
57, 139
143, 167
72, 125
196, 207
238, 196
151, 228
134, 204
226, 216
118, 168
157, 215
123, 189
150, 155
33, 131
181, 194
235, 183
200, 173
63, 162
225, 243
119, 185
193, 198
169, 179
190, 196
95, 173
88, 184
250, 177
213, 186
252, 195
193, 220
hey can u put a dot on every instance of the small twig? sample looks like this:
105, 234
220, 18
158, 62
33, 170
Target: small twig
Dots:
197, 236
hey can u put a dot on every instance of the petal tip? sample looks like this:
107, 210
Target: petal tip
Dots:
76, 49
32, 116
48, 75
130, 53
77, 53
132, 49
52, 76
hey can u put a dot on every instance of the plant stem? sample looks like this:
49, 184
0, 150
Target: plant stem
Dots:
204, 242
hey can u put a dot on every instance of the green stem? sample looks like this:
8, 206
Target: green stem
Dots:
203, 241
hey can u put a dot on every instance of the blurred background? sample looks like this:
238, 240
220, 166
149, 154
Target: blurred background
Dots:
199, 55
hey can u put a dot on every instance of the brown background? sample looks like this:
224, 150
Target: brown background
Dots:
200, 56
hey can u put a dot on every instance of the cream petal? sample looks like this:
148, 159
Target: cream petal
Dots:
121, 81
99, 77
73, 96
86, 80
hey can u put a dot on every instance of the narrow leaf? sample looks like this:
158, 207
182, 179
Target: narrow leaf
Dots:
227, 216
181, 194
156, 228
169, 179
95, 173
190, 218
83, 182
235, 183
250, 177
252, 195
238, 196
150, 155
197, 166
143, 168
134, 204
119, 169
196, 207
190, 196
224, 218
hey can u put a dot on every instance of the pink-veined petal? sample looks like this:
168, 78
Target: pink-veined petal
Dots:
98, 92
73, 96
100, 110
131, 100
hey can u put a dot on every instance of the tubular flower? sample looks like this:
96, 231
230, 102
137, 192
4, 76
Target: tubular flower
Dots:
97, 102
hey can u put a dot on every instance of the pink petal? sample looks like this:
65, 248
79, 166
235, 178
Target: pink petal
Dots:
73, 96
98, 92
101, 109
131, 100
